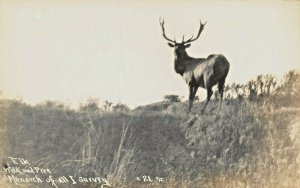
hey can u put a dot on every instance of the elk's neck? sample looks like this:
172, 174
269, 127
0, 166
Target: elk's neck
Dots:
179, 63
181, 56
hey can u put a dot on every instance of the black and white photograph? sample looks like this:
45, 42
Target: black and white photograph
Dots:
149, 94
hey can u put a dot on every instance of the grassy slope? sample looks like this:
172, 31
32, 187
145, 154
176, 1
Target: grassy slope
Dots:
250, 144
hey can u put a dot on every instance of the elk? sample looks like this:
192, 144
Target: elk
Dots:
198, 72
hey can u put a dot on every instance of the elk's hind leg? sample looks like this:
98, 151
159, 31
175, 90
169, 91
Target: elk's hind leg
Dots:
209, 94
221, 90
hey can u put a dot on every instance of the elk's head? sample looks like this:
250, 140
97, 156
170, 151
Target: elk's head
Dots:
180, 47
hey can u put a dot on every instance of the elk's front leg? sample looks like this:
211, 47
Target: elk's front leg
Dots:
193, 91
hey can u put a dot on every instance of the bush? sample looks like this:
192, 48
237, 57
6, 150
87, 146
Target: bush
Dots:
172, 98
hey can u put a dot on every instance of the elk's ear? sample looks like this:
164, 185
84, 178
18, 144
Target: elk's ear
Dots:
188, 45
171, 45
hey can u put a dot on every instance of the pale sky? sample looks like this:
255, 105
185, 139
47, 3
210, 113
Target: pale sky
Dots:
72, 50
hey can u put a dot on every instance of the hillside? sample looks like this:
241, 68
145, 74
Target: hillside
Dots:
254, 142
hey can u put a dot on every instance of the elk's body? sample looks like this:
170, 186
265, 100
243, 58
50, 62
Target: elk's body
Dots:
199, 72
202, 71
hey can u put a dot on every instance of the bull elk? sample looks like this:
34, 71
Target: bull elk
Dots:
198, 72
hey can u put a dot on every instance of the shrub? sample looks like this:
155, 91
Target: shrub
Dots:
172, 98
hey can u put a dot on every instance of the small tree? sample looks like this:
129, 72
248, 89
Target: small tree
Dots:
172, 98
107, 106
291, 82
289, 90
196, 98
91, 105
120, 108
252, 87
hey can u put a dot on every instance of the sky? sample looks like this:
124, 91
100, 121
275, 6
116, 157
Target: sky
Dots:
73, 50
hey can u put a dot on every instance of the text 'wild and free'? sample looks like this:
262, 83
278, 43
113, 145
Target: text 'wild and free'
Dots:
28, 170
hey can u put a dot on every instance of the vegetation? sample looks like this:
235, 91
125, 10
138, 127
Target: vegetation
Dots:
172, 98
254, 143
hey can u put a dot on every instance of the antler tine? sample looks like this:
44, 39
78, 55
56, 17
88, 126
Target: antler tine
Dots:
199, 32
162, 24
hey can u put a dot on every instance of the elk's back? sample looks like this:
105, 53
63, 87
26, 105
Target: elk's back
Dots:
206, 71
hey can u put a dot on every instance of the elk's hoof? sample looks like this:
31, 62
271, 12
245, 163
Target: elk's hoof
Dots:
192, 120
217, 117
202, 112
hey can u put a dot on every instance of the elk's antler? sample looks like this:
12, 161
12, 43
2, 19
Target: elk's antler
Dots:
191, 39
162, 24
